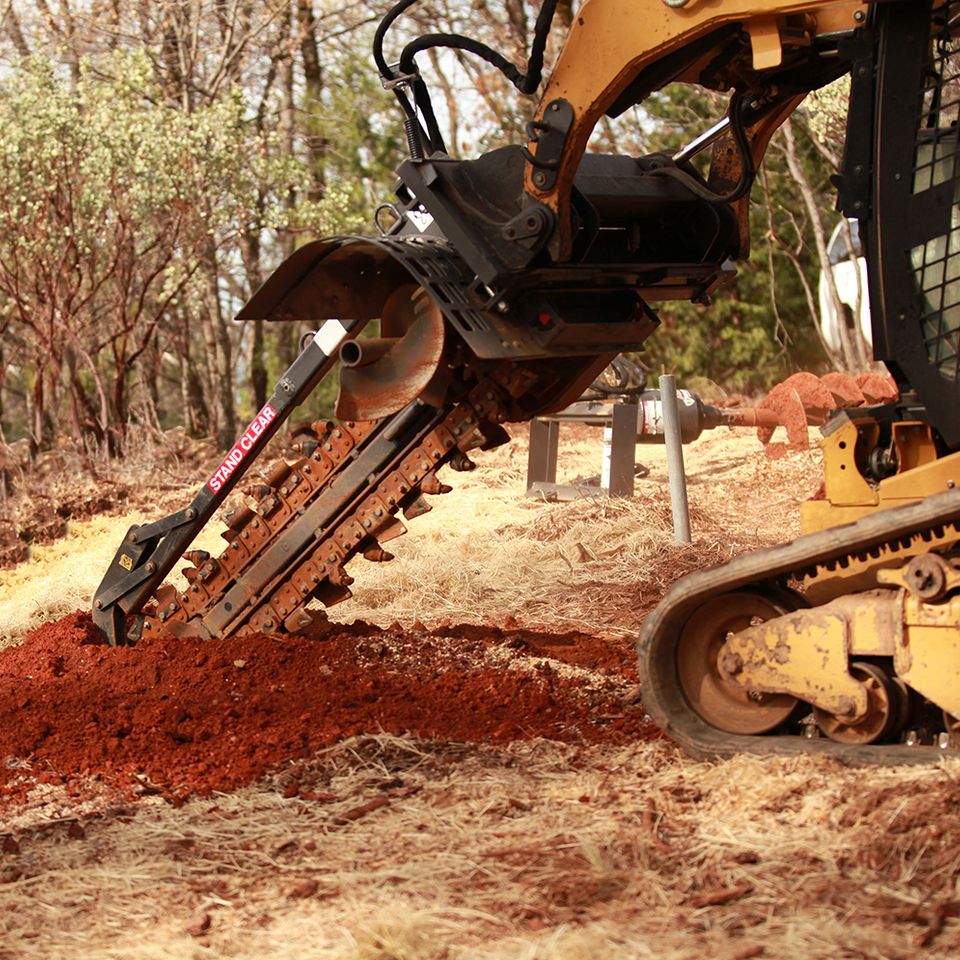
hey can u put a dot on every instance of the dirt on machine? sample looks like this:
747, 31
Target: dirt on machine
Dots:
504, 284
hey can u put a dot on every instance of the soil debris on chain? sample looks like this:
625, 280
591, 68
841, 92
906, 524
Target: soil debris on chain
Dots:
177, 717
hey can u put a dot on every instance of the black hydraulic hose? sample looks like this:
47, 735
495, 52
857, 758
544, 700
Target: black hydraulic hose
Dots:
748, 169
381, 32
425, 106
431, 137
525, 82
457, 42
541, 33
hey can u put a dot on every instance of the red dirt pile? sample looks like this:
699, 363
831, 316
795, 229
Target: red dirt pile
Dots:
178, 717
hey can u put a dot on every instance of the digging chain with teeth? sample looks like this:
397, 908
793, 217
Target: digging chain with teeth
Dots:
314, 515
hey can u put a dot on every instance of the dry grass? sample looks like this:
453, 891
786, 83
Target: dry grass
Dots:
536, 850
485, 552
532, 851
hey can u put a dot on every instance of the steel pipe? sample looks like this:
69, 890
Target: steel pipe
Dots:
675, 471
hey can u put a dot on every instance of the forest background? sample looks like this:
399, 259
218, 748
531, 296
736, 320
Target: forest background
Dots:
160, 158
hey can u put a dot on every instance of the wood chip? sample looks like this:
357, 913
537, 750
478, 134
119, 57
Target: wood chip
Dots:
355, 813
717, 897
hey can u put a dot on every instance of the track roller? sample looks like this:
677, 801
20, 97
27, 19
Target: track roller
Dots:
721, 703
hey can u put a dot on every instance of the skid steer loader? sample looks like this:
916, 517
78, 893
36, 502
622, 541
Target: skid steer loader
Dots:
503, 284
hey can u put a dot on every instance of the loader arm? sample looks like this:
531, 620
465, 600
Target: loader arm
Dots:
769, 53
620, 51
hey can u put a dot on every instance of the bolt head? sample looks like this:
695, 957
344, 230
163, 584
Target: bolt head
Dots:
731, 663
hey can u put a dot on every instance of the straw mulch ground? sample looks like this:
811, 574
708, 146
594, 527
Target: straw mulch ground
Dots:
398, 848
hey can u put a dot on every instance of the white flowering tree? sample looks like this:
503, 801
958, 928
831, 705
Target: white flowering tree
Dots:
117, 217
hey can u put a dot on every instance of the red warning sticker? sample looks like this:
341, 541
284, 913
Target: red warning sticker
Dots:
242, 447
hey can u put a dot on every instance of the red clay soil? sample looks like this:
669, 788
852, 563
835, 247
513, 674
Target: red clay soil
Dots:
845, 389
805, 399
178, 717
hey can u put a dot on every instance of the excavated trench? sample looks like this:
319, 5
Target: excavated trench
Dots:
181, 717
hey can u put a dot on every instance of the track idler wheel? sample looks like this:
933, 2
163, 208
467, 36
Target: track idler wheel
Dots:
885, 714
720, 702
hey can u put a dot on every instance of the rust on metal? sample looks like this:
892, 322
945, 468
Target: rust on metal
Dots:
245, 590
382, 376
750, 417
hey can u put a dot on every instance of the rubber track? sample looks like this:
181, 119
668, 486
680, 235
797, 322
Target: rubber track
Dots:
935, 518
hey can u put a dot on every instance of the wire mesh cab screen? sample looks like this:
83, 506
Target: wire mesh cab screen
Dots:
914, 230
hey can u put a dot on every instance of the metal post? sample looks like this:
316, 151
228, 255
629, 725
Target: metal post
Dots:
542, 458
623, 446
675, 471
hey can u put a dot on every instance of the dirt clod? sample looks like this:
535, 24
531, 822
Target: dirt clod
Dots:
200, 926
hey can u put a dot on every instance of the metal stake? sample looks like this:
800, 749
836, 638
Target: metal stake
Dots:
675, 471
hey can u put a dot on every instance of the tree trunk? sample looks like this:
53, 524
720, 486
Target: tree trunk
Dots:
313, 77
850, 360
286, 340
37, 414
192, 394
11, 23
221, 351
258, 364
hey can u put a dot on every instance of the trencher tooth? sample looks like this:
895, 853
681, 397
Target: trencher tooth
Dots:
416, 508
376, 554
